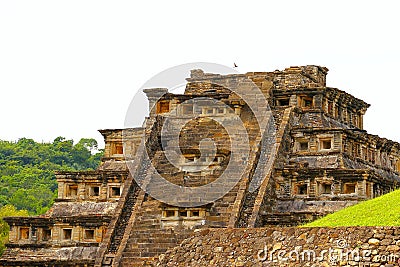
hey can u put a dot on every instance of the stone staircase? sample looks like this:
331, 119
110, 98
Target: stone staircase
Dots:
123, 219
252, 198
221, 212
144, 239
115, 239
138, 235
264, 194
147, 240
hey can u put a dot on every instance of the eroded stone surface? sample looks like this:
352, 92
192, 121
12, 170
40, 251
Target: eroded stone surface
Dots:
350, 246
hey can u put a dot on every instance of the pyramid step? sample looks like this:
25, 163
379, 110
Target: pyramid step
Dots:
137, 261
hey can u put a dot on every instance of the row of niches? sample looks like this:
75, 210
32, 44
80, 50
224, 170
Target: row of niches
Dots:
354, 148
323, 143
347, 116
204, 165
331, 188
190, 109
188, 218
111, 191
56, 234
334, 109
306, 102
328, 188
372, 155
204, 159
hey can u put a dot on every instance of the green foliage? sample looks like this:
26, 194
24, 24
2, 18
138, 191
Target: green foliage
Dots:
380, 211
27, 179
7, 211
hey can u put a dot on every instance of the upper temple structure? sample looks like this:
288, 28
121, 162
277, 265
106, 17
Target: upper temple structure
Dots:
322, 161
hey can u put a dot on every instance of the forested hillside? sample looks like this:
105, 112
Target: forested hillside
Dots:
27, 179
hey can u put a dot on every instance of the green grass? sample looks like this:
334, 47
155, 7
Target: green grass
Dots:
380, 211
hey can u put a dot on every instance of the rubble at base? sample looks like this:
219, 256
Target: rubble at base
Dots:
287, 246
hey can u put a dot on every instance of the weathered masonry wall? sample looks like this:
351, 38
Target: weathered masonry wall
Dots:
343, 246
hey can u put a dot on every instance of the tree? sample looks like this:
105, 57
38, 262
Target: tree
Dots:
89, 143
7, 211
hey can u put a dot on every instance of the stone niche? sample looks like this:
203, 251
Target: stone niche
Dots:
188, 218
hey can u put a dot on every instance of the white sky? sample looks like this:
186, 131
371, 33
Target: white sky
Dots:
71, 67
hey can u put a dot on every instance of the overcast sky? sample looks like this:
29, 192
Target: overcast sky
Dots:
68, 68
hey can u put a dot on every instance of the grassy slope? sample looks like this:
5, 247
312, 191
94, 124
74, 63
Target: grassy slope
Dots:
381, 211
